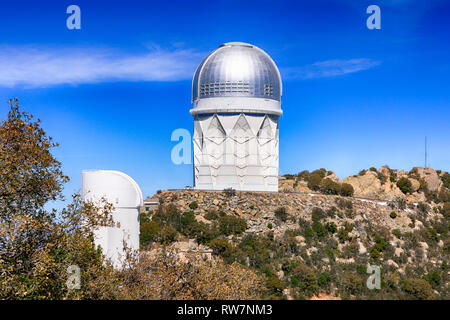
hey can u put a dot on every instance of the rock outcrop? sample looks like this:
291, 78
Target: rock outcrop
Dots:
370, 186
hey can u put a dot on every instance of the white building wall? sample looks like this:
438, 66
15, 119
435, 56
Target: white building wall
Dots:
236, 150
125, 195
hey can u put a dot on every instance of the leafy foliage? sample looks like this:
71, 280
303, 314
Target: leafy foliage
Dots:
404, 184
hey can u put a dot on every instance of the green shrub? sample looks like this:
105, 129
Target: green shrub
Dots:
433, 278
380, 244
381, 177
229, 225
229, 192
361, 269
167, 234
343, 235
351, 283
304, 175
393, 176
149, 232
202, 232
347, 190
317, 214
443, 196
405, 185
314, 181
331, 227
430, 235
330, 253
328, 186
269, 226
418, 289
304, 278
281, 214
212, 215
257, 250
321, 172
308, 233
274, 285
324, 280
319, 229
344, 204
332, 212
225, 249
193, 205
446, 210
397, 233
375, 254
373, 169
393, 215
446, 180
423, 207
187, 219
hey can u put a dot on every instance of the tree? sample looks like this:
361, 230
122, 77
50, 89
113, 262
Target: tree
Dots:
418, 289
164, 276
29, 175
281, 214
37, 246
304, 278
347, 190
229, 225
328, 186
314, 181
193, 205
404, 184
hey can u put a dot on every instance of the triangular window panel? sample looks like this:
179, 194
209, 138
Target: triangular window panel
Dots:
215, 132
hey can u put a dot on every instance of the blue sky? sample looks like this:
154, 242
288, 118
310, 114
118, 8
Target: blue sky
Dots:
112, 93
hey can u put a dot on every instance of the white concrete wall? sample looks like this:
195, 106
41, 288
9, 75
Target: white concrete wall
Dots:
125, 195
238, 151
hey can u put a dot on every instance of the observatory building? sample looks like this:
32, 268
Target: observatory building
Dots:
236, 97
124, 194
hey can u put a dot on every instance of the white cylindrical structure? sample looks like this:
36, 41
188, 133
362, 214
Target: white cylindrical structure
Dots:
125, 195
236, 96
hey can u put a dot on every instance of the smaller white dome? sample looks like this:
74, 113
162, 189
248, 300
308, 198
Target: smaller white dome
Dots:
115, 187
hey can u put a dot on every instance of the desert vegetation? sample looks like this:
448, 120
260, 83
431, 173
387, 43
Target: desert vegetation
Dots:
238, 245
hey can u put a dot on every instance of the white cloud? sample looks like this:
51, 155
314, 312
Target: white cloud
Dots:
33, 67
37, 67
329, 68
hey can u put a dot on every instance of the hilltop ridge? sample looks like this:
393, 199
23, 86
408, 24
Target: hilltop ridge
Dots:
311, 241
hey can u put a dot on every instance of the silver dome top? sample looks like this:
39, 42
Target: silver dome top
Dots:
237, 69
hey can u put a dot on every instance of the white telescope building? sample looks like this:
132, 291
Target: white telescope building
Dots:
125, 195
236, 97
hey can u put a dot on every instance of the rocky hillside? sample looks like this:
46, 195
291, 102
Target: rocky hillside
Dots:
312, 245
419, 184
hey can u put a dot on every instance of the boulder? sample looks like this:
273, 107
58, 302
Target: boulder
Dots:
430, 176
385, 171
333, 177
367, 185
415, 184
398, 251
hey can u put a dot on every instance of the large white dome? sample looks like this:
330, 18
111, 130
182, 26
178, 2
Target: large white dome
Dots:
237, 70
